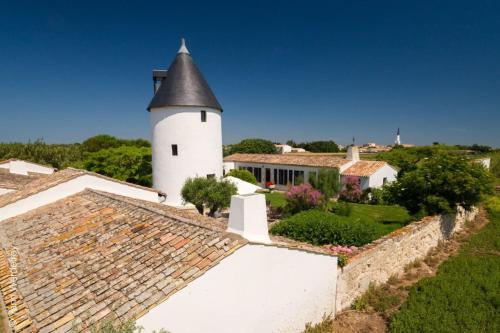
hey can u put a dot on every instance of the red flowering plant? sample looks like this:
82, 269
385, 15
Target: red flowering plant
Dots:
351, 190
269, 184
302, 197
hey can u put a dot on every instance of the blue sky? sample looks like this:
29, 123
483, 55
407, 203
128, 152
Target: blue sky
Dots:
303, 70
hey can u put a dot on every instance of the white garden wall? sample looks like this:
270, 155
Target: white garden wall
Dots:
258, 288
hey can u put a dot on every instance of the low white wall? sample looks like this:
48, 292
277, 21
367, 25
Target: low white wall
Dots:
5, 190
256, 289
23, 167
243, 187
71, 187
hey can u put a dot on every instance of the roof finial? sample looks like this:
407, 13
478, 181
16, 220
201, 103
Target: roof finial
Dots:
183, 48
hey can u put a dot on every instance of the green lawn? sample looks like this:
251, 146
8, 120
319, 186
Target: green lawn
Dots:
277, 199
464, 295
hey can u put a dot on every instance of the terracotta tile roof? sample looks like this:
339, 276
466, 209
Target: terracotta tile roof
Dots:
363, 168
44, 183
15, 181
321, 161
93, 256
29, 162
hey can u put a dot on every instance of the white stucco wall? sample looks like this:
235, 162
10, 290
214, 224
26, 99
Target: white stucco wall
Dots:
243, 186
5, 190
22, 167
257, 289
199, 147
71, 187
377, 179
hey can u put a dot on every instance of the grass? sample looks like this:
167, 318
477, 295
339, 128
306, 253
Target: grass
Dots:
276, 199
464, 295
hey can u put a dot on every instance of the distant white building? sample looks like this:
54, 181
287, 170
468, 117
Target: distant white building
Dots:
285, 149
287, 169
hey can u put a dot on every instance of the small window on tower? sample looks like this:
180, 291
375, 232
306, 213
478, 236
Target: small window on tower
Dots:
175, 151
203, 116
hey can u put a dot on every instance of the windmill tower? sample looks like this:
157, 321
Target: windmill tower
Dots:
186, 127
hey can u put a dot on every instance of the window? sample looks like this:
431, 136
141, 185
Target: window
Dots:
175, 151
282, 177
257, 172
298, 177
384, 181
203, 116
211, 175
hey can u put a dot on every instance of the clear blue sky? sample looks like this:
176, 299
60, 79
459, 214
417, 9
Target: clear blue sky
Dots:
305, 70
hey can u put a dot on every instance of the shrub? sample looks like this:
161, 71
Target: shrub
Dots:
440, 184
210, 192
342, 209
327, 181
302, 197
376, 298
319, 228
351, 190
243, 175
377, 196
127, 163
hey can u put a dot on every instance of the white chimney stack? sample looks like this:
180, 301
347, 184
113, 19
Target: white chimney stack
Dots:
248, 217
353, 153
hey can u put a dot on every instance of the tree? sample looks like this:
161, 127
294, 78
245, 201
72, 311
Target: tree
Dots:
253, 146
243, 175
210, 192
99, 142
327, 181
130, 164
320, 146
439, 184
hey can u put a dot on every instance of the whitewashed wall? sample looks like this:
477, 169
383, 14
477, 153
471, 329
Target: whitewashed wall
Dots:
377, 179
199, 147
72, 187
5, 190
23, 168
257, 289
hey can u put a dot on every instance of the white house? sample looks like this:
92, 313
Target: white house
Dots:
186, 127
286, 169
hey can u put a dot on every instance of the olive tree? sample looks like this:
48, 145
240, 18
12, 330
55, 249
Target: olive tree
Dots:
212, 193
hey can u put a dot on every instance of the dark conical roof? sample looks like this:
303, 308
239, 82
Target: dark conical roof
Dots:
184, 85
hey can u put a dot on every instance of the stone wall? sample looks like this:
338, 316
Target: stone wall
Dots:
389, 255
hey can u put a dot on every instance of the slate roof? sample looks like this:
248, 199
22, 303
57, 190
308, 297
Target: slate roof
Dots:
289, 159
94, 255
48, 181
184, 85
15, 181
363, 168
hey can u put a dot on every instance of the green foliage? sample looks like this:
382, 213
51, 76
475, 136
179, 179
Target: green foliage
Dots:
130, 164
325, 326
104, 141
495, 164
439, 184
376, 298
210, 192
276, 199
327, 181
377, 196
109, 326
243, 175
342, 209
463, 296
56, 155
253, 146
319, 146
319, 228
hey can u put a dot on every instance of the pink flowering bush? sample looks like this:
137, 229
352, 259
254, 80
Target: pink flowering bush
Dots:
302, 197
343, 253
351, 190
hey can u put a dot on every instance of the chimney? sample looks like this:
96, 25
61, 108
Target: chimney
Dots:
353, 153
248, 217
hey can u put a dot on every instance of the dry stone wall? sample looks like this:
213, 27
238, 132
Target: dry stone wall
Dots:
389, 255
